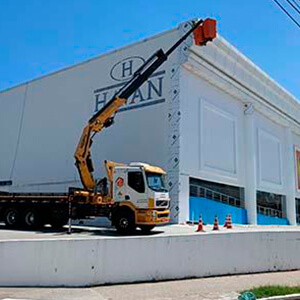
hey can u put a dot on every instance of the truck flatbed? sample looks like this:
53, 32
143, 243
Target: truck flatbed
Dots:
60, 197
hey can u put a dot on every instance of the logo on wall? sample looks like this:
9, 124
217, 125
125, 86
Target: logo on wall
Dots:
150, 93
125, 68
297, 157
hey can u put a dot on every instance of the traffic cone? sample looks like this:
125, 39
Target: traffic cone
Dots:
229, 223
216, 223
200, 225
226, 220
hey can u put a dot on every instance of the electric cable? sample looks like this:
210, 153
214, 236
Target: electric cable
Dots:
287, 13
296, 3
293, 6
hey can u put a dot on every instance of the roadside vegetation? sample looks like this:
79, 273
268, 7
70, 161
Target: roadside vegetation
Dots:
274, 290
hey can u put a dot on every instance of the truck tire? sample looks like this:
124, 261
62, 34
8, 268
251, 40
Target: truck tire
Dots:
12, 217
31, 219
146, 228
124, 222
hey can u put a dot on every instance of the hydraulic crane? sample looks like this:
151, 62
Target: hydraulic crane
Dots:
136, 195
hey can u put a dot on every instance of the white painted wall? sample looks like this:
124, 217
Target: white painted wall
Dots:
221, 141
267, 161
84, 262
270, 155
12, 106
290, 177
212, 141
250, 164
296, 142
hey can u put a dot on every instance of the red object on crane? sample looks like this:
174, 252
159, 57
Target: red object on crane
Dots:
205, 32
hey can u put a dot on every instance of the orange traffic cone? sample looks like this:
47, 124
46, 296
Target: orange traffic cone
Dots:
226, 220
216, 223
229, 223
200, 225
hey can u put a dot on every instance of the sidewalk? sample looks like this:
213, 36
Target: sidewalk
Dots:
223, 288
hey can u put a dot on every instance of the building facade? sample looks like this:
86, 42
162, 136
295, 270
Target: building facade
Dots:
227, 134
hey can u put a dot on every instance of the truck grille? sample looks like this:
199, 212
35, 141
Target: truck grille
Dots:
162, 203
165, 215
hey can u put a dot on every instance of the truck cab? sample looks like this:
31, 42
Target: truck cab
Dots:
140, 196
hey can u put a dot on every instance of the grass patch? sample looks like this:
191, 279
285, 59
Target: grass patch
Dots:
274, 290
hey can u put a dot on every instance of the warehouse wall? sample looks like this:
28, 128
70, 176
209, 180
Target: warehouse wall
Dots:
296, 143
212, 123
84, 262
12, 107
270, 155
213, 146
218, 140
41, 121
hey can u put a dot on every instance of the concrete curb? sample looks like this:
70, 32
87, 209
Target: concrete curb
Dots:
286, 297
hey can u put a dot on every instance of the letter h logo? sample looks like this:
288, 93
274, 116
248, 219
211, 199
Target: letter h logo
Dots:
127, 68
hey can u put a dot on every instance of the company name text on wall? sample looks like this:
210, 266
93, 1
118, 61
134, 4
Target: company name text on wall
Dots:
150, 93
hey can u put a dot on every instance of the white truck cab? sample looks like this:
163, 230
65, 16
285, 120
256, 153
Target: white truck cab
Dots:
141, 188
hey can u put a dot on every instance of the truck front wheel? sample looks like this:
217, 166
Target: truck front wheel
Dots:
124, 222
12, 217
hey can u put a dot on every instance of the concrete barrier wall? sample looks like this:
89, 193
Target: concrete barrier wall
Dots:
76, 262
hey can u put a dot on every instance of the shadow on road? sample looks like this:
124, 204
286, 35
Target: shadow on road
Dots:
82, 231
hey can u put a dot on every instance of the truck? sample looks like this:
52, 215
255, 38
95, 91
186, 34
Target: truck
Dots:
131, 195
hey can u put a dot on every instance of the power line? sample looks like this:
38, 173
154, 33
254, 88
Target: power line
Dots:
293, 6
296, 3
287, 13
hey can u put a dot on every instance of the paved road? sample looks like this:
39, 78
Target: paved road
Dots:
223, 288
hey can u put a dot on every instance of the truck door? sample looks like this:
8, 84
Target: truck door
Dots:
137, 188
119, 185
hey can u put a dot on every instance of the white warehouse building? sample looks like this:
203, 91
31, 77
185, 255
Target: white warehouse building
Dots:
225, 132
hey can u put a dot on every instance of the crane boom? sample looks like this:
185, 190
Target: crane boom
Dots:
105, 116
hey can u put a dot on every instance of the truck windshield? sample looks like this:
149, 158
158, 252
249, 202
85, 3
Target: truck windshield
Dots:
156, 182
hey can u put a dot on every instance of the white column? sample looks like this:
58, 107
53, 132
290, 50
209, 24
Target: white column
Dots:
290, 178
250, 164
184, 198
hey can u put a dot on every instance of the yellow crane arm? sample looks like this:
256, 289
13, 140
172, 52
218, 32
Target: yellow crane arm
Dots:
100, 120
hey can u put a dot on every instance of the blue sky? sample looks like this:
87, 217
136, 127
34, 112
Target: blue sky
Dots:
40, 36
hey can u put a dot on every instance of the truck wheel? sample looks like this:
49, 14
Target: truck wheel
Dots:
124, 222
12, 217
146, 228
31, 219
